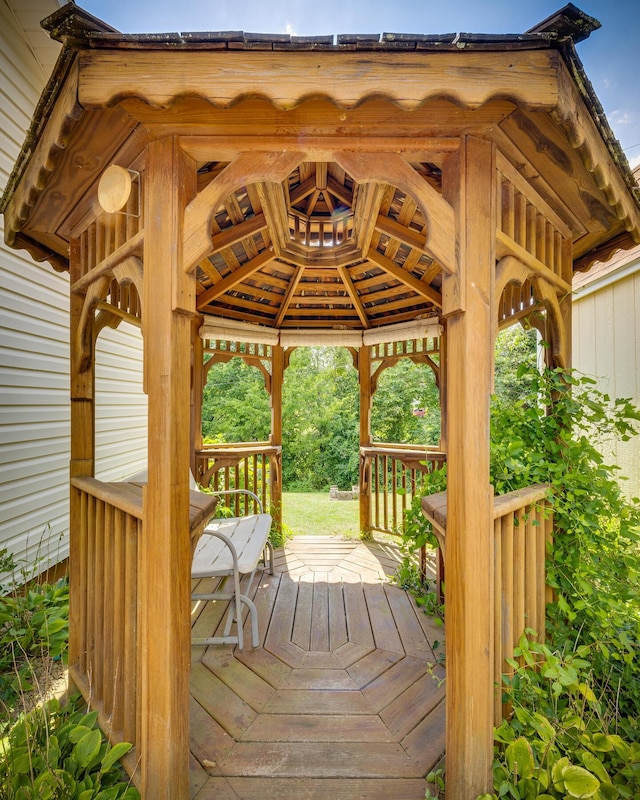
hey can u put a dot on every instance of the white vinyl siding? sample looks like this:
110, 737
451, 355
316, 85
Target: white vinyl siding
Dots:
121, 405
34, 360
606, 345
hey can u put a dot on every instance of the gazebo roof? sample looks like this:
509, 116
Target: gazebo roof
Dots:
323, 247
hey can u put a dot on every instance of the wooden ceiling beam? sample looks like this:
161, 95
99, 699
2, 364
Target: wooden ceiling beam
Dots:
340, 191
318, 148
368, 200
293, 285
303, 190
409, 236
236, 233
353, 294
337, 313
275, 211
236, 277
210, 271
423, 289
321, 175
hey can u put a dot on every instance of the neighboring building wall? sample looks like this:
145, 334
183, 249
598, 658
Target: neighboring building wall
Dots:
34, 353
606, 342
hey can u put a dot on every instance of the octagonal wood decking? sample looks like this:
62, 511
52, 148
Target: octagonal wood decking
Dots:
341, 699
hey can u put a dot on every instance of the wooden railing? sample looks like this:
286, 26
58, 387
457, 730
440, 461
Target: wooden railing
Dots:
256, 466
104, 588
390, 475
105, 662
523, 533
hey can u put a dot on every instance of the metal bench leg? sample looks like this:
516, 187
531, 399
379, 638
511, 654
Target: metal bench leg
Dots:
268, 555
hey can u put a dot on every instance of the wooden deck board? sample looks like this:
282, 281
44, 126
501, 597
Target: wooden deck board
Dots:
373, 665
320, 617
405, 713
383, 625
409, 629
312, 759
241, 679
226, 707
327, 789
338, 700
383, 689
317, 701
318, 728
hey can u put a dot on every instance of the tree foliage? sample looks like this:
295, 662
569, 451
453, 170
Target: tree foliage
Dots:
235, 404
575, 729
320, 420
321, 408
402, 390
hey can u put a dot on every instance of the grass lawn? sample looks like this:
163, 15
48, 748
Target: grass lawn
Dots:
313, 514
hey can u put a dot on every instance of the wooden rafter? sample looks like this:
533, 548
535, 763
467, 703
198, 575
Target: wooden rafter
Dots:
423, 289
236, 277
295, 280
236, 233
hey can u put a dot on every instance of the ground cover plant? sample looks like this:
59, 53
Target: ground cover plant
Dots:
575, 730
48, 748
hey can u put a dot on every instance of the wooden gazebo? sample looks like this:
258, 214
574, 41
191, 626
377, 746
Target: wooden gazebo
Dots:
284, 190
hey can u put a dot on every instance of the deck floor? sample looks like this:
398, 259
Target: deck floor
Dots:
341, 699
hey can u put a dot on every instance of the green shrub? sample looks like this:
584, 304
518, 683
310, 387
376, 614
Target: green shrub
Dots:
554, 434
561, 741
33, 622
59, 753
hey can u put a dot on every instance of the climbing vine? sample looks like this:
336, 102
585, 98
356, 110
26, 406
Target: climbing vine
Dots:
588, 692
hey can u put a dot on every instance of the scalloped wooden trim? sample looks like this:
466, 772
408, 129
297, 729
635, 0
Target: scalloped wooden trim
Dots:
585, 138
47, 148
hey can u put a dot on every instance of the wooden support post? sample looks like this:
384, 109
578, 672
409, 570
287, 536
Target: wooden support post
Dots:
198, 380
364, 381
443, 390
275, 472
165, 551
470, 177
82, 392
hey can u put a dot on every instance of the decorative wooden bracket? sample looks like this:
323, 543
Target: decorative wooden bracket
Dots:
128, 271
96, 292
557, 328
247, 168
392, 169
511, 270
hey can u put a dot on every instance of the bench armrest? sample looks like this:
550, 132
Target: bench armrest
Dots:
242, 491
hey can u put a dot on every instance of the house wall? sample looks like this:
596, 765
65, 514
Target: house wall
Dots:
34, 358
606, 344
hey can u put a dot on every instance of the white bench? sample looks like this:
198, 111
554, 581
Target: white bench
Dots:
229, 548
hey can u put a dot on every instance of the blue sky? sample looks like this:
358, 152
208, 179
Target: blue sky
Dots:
610, 55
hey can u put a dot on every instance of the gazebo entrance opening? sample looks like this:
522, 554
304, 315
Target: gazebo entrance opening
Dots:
386, 474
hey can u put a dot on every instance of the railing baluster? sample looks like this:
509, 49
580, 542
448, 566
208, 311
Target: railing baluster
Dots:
119, 614
498, 656
108, 609
131, 723
519, 574
531, 564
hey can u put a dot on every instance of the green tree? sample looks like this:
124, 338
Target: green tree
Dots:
320, 420
235, 404
403, 388
514, 347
